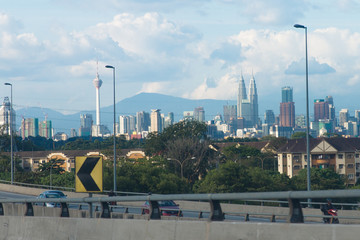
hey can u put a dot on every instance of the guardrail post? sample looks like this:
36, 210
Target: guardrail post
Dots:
1, 210
29, 209
154, 210
90, 207
105, 213
64, 210
216, 213
295, 211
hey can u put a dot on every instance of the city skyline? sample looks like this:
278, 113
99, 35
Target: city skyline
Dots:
189, 49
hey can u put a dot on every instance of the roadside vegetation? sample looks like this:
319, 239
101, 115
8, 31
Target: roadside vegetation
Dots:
180, 160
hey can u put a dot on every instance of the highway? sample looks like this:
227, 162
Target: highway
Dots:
187, 213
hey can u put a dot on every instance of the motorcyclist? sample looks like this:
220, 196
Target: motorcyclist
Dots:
325, 208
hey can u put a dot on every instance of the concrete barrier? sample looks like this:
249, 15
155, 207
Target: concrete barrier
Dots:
194, 205
52, 228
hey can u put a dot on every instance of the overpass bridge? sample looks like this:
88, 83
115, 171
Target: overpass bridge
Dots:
45, 223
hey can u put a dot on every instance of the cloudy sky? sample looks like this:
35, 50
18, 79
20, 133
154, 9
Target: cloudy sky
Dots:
50, 50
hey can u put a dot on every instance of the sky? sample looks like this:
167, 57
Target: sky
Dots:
51, 50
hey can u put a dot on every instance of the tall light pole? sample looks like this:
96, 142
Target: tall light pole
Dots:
113, 68
308, 157
11, 137
181, 164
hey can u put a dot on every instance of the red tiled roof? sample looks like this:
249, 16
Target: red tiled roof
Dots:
341, 144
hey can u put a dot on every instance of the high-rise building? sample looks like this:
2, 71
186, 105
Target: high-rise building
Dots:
343, 116
287, 108
321, 109
45, 129
85, 125
229, 113
169, 120
287, 114
287, 94
123, 124
269, 117
357, 116
73, 133
132, 124
5, 113
156, 120
199, 114
29, 127
247, 107
142, 121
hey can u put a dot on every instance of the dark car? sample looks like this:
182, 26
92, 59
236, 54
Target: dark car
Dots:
51, 194
167, 208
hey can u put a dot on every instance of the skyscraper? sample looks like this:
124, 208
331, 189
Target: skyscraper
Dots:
142, 121
229, 113
156, 120
5, 112
343, 116
247, 108
123, 124
321, 109
85, 125
287, 108
199, 114
287, 94
29, 127
269, 117
45, 129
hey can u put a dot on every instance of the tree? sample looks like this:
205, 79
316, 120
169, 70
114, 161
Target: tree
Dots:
146, 176
298, 135
190, 154
242, 154
185, 142
231, 177
321, 179
156, 142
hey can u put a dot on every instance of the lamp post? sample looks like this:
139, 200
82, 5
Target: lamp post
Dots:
308, 157
113, 68
181, 164
11, 136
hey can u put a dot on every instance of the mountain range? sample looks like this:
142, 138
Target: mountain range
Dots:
128, 106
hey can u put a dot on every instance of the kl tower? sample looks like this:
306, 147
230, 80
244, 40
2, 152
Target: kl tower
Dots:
97, 129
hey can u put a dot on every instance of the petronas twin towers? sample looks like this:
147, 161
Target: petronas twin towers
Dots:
247, 106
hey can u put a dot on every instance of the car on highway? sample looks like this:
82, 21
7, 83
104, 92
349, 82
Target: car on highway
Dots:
51, 194
167, 208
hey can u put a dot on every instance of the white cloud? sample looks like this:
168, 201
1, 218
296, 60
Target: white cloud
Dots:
276, 12
146, 35
224, 88
155, 87
353, 81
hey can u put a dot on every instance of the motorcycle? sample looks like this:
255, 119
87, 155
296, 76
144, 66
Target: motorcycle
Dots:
333, 219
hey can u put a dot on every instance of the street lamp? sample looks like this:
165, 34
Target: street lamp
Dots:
11, 137
113, 68
181, 164
308, 157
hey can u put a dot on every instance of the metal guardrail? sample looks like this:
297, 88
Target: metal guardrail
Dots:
216, 213
120, 193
